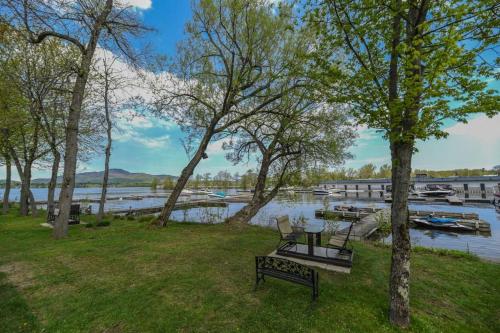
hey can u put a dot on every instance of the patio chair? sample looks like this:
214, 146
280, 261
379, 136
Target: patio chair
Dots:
341, 242
74, 215
288, 234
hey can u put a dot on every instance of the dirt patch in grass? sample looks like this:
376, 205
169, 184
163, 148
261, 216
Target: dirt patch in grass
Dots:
19, 274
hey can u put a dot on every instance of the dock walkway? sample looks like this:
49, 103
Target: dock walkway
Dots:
366, 219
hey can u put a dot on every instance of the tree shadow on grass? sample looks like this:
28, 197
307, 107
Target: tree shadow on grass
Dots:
15, 314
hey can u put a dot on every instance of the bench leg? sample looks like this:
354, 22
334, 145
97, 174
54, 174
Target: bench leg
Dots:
258, 279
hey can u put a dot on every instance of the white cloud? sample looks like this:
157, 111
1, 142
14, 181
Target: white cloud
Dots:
472, 145
141, 4
153, 143
482, 128
215, 148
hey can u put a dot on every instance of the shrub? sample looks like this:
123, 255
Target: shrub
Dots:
103, 224
89, 225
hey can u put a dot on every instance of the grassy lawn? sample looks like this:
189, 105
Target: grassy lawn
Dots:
130, 277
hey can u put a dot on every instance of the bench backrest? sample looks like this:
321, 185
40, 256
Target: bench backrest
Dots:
284, 266
284, 226
74, 210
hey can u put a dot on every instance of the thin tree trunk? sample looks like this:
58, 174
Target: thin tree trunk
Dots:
53, 183
71, 148
100, 213
400, 265
8, 178
184, 177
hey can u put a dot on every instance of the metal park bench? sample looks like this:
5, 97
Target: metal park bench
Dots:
74, 215
286, 270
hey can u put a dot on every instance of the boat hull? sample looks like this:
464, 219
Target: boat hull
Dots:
452, 226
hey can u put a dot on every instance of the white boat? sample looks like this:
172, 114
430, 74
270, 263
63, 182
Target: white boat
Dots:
436, 190
186, 192
201, 192
321, 191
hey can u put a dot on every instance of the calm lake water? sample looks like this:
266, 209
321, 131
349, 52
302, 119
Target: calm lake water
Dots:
303, 205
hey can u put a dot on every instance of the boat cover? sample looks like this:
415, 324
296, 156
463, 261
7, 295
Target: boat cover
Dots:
441, 220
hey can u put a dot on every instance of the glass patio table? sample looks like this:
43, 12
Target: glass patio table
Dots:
313, 231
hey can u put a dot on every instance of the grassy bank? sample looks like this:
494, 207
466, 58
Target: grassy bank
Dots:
130, 277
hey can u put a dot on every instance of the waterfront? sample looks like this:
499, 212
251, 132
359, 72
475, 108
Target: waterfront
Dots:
299, 205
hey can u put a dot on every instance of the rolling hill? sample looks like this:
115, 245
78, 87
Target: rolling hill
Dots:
117, 177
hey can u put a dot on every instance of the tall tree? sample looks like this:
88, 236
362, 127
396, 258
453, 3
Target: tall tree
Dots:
108, 95
234, 62
80, 23
299, 129
405, 67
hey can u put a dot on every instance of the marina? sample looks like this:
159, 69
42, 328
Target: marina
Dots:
300, 205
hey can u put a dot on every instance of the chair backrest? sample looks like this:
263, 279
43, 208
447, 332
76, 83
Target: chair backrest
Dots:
284, 226
341, 240
74, 210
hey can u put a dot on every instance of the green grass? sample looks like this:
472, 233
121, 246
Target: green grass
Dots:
131, 277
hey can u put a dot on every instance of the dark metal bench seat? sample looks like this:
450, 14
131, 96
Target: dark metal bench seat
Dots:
286, 270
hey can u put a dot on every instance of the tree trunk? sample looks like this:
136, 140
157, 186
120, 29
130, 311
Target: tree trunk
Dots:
100, 213
34, 210
399, 288
245, 214
259, 198
6, 192
26, 195
71, 148
184, 177
53, 183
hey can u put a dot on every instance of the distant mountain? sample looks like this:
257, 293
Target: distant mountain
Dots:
116, 177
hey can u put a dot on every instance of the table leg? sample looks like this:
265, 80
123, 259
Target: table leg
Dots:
318, 239
310, 244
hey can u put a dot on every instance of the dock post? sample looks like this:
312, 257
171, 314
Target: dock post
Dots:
345, 187
466, 191
369, 191
483, 191
383, 190
357, 193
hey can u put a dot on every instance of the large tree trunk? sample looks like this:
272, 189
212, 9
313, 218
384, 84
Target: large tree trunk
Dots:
245, 214
71, 148
70, 156
8, 178
184, 177
259, 198
26, 195
400, 265
53, 183
100, 213
34, 210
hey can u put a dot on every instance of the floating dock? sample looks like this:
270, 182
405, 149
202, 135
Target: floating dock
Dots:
183, 205
366, 219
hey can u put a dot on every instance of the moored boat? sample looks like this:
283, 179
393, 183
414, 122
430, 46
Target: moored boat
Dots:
186, 192
436, 190
321, 191
441, 223
220, 195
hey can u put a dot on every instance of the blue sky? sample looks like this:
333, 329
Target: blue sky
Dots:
145, 144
